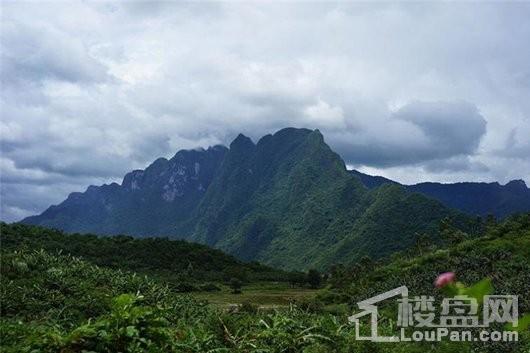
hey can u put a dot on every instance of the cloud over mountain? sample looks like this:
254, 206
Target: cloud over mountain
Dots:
415, 134
413, 91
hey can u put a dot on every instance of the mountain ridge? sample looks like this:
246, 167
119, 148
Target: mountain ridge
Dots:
287, 201
475, 198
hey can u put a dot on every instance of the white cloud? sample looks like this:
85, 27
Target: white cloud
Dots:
322, 115
91, 90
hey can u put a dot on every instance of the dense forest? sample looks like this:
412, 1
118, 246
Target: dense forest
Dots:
180, 263
52, 301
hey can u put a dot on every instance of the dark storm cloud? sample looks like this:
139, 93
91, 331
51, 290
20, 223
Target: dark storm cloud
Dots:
427, 131
517, 145
91, 90
452, 128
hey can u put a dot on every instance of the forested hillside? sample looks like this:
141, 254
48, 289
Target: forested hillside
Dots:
178, 262
501, 254
286, 201
59, 303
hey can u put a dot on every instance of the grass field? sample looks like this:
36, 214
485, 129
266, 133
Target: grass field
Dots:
264, 295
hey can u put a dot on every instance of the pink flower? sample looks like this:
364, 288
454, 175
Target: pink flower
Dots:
444, 279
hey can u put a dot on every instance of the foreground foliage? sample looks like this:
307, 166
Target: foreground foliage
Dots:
54, 302
502, 255
188, 266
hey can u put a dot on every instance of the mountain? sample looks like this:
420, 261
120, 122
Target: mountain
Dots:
480, 199
148, 202
372, 181
286, 201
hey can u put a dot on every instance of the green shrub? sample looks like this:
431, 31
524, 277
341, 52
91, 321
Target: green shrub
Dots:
209, 287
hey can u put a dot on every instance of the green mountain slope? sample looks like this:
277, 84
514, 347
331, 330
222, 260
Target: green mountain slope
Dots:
156, 201
499, 257
502, 254
286, 201
59, 303
289, 201
174, 261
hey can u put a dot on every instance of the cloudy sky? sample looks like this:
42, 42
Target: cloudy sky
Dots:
414, 92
